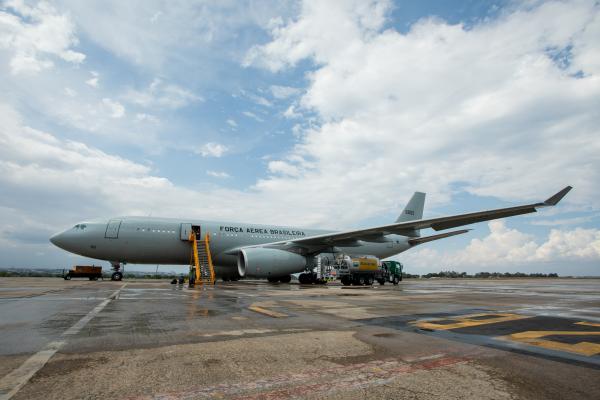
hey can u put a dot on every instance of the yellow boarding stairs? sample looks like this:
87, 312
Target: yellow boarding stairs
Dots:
201, 259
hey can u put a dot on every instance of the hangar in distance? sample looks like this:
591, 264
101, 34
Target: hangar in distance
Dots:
263, 251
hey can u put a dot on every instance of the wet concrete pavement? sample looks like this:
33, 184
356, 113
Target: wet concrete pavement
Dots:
472, 339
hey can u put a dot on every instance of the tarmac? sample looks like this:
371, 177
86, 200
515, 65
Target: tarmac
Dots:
422, 339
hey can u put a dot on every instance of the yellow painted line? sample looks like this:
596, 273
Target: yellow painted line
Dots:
270, 313
464, 321
535, 338
588, 323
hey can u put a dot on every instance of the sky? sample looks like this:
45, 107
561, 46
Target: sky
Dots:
315, 114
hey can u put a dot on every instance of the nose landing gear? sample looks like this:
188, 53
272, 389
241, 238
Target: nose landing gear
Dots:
117, 275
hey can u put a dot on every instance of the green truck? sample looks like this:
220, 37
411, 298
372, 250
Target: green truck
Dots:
392, 272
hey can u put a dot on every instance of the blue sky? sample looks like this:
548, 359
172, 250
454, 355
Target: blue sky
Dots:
321, 114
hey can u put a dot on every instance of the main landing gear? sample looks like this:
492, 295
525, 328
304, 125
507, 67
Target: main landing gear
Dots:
307, 278
117, 274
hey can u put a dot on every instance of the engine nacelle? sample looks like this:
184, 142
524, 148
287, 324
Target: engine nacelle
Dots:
262, 263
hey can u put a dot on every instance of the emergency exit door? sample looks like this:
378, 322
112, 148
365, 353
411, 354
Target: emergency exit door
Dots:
112, 229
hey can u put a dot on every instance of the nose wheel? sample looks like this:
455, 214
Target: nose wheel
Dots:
117, 275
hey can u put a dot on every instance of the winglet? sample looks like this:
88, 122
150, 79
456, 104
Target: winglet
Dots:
552, 201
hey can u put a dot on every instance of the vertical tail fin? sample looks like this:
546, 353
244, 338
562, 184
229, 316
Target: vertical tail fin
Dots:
414, 209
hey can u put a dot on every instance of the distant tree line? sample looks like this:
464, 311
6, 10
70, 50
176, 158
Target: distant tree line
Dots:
171, 275
454, 274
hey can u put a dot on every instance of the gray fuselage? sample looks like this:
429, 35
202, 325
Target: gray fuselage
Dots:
146, 240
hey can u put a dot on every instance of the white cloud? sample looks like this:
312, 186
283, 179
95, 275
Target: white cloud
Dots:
160, 94
217, 174
485, 109
143, 117
283, 92
231, 123
260, 100
313, 35
93, 81
158, 36
114, 108
283, 168
212, 149
35, 35
70, 92
505, 247
291, 112
564, 221
253, 116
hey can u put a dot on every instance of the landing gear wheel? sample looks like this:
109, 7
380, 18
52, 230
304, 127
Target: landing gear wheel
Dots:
396, 280
116, 276
285, 279
307, 278
272, 279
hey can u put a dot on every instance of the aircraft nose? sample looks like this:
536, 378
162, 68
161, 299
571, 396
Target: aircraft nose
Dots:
58, 239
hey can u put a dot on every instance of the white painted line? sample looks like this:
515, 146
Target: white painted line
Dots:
16, 379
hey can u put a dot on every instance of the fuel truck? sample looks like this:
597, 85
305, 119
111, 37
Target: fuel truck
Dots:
359, 271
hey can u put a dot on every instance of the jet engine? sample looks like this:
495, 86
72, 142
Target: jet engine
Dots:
259, 262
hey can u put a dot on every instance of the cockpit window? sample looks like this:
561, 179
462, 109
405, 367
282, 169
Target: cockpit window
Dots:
80, 226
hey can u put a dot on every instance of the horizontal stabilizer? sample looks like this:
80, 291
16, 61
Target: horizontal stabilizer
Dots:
416, 241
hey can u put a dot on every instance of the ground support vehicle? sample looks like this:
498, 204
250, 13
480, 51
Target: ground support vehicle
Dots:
366, 270
358, 271
84, 271
392, 272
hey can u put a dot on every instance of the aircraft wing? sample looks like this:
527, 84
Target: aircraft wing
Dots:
375, 234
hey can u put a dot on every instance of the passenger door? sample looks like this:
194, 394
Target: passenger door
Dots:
112, 229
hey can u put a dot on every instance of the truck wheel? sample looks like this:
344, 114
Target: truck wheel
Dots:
361, 280
116, 276
381, 281
369, 280
346, 281
272, 279
67, 277
396, 280
285, 279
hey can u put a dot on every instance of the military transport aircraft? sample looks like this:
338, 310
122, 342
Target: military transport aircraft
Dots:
263, 251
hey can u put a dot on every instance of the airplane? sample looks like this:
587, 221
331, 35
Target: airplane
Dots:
263, 251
